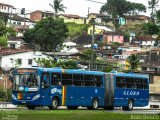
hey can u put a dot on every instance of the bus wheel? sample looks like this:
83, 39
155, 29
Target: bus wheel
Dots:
55, 104
130, 105
109, 107
72, 107
31, 107
95, 104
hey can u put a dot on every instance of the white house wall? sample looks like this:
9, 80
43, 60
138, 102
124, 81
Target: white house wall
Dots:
17, 44
9, 60
6, 9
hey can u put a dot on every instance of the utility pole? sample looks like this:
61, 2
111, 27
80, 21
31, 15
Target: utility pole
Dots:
93, 17
92, 46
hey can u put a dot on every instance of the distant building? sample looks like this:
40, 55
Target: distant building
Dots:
73, 18
110, 37
151, 66
100, 19
20, 24
145, 41
39, 15
69, 47
6, 8
132, 20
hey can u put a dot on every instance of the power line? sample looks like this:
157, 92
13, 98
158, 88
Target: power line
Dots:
95, 1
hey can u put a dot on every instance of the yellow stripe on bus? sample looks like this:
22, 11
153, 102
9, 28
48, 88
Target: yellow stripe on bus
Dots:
63, 95
63, 70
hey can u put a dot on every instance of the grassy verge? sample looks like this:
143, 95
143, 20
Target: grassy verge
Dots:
66, 115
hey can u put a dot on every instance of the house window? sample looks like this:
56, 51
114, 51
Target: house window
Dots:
91, 31
19, 61
18, 23
4, 8
12, 46
43, 15
29, 61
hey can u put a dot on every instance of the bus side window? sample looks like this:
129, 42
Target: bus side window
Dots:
139, 83
144, 81
55, 79
120, 82
66, 79
88, 80
130, 82
98, 81
45, 79
78, 80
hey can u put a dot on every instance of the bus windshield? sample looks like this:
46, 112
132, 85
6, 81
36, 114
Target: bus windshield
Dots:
26, 82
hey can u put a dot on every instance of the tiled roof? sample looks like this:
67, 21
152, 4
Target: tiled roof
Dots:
139, 17
6, 4
43, 11
19, 18
4, 52
71, 16
144, 38
98, 15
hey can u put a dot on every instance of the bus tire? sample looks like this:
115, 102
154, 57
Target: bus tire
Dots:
95, 104
109, 107
130, 105
31, 107
55, 103
72, 107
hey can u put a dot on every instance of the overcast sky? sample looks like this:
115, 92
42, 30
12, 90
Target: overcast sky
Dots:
79, 7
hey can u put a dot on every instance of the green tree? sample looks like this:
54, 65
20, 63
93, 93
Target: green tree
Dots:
86, 55
3, 29
50, 62
120, 7
158, 16
150, 28
3, 41
57, 6
67, 64
152, 5
115, 45
133, 60
46, 62
11, 31
75, 30
48, 33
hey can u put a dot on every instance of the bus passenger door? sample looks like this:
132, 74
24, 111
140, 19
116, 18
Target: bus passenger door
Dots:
109, 90
45, 85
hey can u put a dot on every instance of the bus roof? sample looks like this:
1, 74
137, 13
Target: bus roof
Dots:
131, 75
81, 71
75, 71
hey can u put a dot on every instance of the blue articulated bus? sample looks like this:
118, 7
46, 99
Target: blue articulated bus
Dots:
55, 87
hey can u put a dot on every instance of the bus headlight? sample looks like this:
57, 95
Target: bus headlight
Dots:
14, 97
36, 97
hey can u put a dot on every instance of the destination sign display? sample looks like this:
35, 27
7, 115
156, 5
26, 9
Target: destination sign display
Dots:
22, 70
